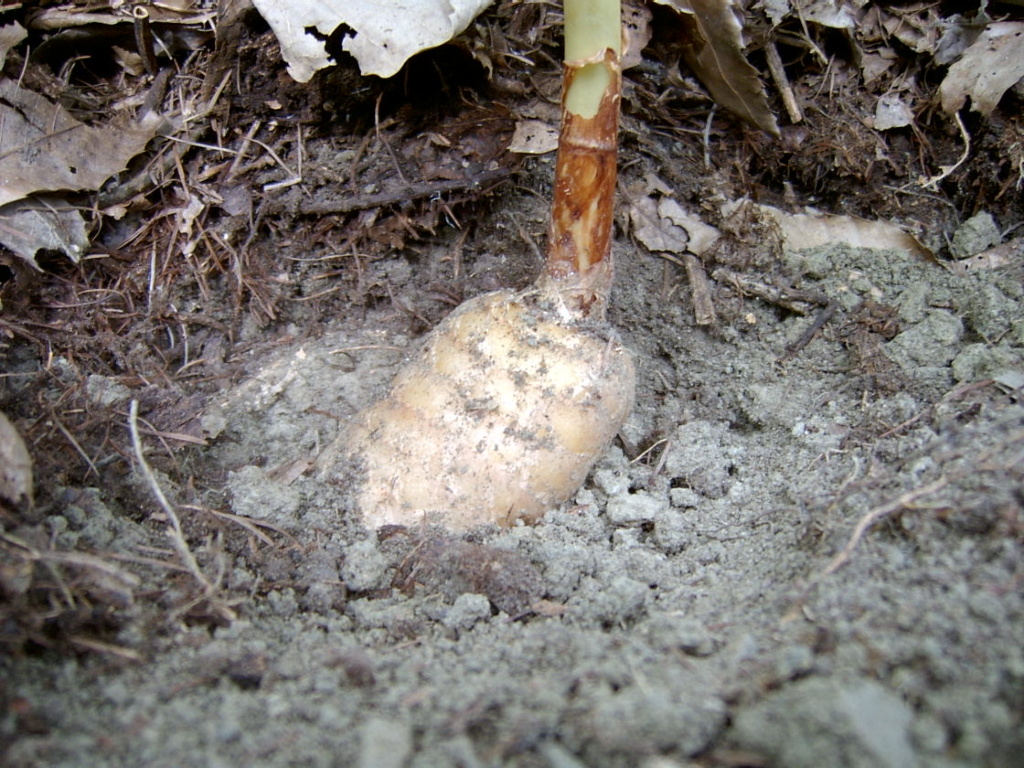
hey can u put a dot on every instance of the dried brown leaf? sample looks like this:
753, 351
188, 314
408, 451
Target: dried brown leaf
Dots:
892, 111
664, 226
534, 137
714, 51
657, 233
636, 34
987, 70
827, 13
44, 148
10, 36
43, 223
702, 236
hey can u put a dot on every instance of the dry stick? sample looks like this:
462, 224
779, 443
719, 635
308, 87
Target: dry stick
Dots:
174, 527
74, 443
398, 194
778, 73
823, 317
97, 645
700, 290
873, 517
933, 182
788, 298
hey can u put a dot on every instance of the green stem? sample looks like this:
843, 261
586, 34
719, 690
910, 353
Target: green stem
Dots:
591, 28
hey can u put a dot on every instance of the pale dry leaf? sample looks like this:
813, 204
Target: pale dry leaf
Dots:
701, 236
813, 230
775, 10
15, 464
636, 34
381, 34
43, 224
655, 185
991, 66
714, 51
958, 34
10, 35
67, 16
43, 148
657, 233
835, 14
1001, 256
129, 61
892, 112
919, 32
874, 64
533, 137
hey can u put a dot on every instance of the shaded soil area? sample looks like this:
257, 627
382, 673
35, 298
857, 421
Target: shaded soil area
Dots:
804, 548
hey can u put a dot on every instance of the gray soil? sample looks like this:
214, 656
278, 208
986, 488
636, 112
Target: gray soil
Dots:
801, 551
682, 605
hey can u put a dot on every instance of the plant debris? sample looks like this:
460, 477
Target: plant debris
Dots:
382, 35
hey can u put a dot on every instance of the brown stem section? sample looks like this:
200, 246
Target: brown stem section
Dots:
579, 240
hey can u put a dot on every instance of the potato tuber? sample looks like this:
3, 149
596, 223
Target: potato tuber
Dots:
514, 396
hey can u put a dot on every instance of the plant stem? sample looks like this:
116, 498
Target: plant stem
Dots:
579, 242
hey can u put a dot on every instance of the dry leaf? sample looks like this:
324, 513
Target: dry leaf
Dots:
163, 12
702, 236
43, 224
998, 257
636, 34
656, 233
43, 148
15, 464
920, 33
989, 68
827, 13
892, 112
874, 64
384, 33
714, 51
664, 226
812, 230
533, 137
10, 36
775, 10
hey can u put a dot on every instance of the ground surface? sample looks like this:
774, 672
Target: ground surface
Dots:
802, 550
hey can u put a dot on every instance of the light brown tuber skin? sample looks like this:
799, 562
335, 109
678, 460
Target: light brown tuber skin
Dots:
514, 396
498, 418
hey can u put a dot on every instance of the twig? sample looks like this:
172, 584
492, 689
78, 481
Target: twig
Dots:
873, 516
71, 439
246, 141
101, 647
400, 194
778, 73
788, 298
383, 140
174, 524
933, 182
700, 290
823, 317
706, 134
